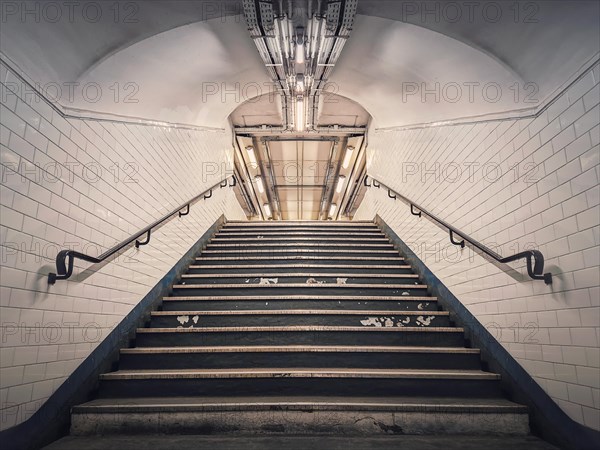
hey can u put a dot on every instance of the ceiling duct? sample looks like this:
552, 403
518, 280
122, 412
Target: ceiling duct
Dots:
300, 43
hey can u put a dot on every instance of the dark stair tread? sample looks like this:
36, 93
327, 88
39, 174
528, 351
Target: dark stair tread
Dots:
286, 233
301, 258
300, 373
296, 249
301, 348
300, 275
299, 285
297, 312
303, 222
305, 297
218, 239
298, 244
294, 328
439, 404
297, 266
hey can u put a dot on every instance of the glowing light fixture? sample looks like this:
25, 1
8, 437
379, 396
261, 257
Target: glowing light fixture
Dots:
300, 120
259, 183
332, 209
340, 185
347, 157
267, 209
251, 155
300, 52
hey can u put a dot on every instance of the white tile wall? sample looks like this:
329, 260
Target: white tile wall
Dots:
550, 204
88, 185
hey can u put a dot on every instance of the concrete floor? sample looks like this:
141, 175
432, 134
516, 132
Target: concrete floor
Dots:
145, 442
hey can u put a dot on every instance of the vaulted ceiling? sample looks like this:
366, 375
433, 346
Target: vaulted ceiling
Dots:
194, 62
177, 51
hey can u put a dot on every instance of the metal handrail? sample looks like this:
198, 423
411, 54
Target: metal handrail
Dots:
65, 258
534, 258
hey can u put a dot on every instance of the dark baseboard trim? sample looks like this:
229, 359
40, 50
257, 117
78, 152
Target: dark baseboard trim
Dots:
547, 420
52, 421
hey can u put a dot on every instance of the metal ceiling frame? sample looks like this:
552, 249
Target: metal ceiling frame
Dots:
274, 200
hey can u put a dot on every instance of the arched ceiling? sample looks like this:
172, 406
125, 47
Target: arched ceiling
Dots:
177, 51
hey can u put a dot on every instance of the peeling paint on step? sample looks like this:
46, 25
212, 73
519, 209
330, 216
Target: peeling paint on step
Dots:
314, 281
264, 281
183, 319
422, 321
386, 322
374, 321
405, 293
341, 280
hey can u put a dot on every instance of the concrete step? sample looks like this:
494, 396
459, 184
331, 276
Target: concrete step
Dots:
302, 227
299, 244
339, 239
275, 224
268, 436
302, 278
341, 416
312, 226
292, 252
250, 318
277, 252
288, 302
264, 234
297, 356
266, 261
293, 267
295, 381
301, 335
398, 290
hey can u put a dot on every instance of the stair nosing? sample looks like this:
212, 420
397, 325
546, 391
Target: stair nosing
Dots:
303, 406
222, 238
304, 244
297, 266
299, 285
293, 328
315, 312
300, 349
306, 297
300, 258
307, 222
244, 252
315, 234
300, 373
299, 275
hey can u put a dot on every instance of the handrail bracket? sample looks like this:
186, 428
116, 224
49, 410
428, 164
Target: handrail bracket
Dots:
140, 243
187, 211
461, 243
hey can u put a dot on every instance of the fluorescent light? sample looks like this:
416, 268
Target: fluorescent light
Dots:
251, 156
347, 157
300, 53
267, 209
332, 209
300, 120
340, 185
259, 183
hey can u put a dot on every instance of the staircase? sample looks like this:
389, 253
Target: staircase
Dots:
300, 328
